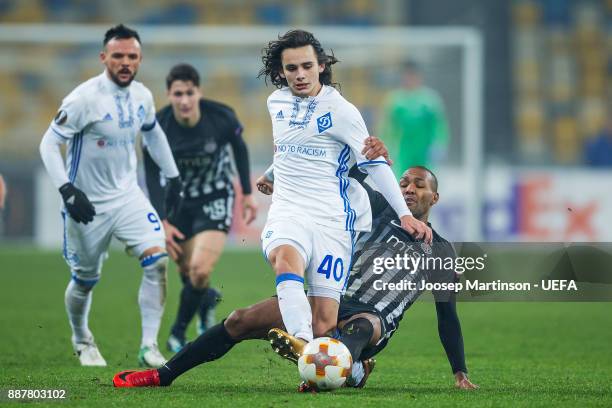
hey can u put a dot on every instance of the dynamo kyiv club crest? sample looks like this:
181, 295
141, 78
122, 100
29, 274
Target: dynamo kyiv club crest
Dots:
324, 122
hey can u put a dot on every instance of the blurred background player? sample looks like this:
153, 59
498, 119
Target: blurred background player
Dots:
200, 133
99, 120
414, 122
365, 322
315, 212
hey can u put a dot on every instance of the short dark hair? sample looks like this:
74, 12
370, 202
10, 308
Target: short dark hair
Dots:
434, 183
182, 72
121, 32
294, 39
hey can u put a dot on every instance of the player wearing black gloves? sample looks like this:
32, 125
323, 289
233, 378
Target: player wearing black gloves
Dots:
99, 121
77, 204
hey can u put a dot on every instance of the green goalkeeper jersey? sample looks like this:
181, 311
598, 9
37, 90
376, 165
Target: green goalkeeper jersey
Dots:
413, 127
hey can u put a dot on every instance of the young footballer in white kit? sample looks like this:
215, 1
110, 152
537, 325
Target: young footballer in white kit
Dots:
99, 120
316, 211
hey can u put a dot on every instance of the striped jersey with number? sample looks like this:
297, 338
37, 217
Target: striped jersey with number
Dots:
202, 152
386, 240
202, 155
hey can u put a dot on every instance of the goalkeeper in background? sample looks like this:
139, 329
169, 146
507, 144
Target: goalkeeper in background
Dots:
414, 123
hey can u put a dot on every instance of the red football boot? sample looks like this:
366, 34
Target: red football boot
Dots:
131, 378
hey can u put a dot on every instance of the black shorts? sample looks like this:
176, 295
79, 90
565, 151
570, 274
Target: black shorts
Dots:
349, 308
212, 212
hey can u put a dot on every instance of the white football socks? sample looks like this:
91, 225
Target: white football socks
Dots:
152, 296
78, 302
294, 306
357, 372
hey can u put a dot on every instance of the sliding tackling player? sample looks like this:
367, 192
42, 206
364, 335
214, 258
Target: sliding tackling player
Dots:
367, 317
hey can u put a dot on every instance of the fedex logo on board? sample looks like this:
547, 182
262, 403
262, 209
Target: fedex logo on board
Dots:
534, 207
536, 210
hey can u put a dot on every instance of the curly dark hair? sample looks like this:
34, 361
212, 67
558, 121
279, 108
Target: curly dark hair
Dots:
294, 39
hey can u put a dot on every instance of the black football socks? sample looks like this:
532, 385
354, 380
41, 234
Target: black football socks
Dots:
356, 336
190, 301
211, 345
209, 301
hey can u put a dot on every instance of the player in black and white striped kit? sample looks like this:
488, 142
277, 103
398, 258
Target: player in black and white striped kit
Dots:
201, 133
368, 289
370, 311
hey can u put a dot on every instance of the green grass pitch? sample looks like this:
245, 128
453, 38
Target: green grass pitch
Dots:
521, 354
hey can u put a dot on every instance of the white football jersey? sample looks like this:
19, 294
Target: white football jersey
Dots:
100, 122
316, 141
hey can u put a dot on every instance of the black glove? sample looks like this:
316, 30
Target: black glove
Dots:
77, 204
174, 196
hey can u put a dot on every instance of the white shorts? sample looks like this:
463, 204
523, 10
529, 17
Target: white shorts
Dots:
136, 224
326, 253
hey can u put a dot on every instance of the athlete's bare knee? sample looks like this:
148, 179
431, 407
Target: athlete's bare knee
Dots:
283, 265
199, 281
199, 276
236, 324
284, 260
